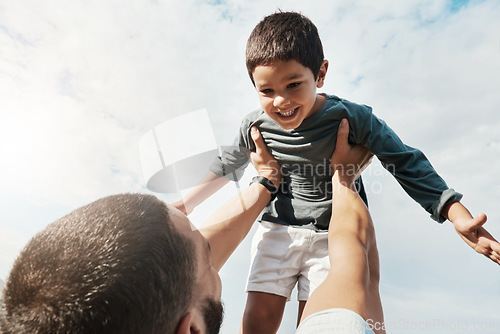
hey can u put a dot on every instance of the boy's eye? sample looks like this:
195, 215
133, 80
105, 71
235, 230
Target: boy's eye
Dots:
294, 84
266, 91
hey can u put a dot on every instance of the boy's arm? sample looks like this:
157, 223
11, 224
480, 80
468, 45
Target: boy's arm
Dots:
229, 166
418, 178
408, 165
229, 225
209, 185
471, 230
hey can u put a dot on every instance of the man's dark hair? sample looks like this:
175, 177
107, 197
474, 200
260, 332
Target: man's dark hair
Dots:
117, 265
284, 36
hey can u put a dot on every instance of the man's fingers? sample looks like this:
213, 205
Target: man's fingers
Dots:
257, 138
343, 133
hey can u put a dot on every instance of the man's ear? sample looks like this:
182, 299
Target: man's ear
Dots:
184, 325
188, 325
320, 81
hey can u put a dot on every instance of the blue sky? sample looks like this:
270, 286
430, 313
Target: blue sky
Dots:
81, 83
456, 5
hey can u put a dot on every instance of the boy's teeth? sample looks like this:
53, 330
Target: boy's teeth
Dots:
287, 114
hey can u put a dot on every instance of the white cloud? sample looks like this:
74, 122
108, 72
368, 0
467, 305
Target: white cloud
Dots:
12, 242
2, 283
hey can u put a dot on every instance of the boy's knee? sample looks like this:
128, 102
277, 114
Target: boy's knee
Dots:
261, 318
262, 313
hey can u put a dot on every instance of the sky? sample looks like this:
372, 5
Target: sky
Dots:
81, 82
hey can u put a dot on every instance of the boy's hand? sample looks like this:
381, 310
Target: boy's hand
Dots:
263, 161
471, 230
349, 161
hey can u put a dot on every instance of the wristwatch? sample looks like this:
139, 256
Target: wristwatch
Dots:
266, 183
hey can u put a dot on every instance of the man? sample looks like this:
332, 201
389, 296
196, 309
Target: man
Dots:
132, 264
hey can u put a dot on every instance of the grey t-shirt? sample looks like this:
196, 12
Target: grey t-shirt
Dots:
304, 154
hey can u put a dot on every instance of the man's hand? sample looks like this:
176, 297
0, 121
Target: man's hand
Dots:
348, 162
471, 230
179, 205
263, 161
229, 225
353, 279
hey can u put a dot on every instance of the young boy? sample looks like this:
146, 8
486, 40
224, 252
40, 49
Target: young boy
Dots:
286, 65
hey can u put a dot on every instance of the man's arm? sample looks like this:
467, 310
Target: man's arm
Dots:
229, 225
229, 166
353, 278
209, 185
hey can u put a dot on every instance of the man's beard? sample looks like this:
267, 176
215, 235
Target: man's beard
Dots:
213, 313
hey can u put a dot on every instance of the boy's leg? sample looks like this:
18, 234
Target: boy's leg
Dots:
273, 274
263, 313
314, 267
302, 304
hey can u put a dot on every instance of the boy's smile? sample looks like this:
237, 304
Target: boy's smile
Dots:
287, 91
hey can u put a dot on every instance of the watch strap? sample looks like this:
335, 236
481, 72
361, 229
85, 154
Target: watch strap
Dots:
266, 183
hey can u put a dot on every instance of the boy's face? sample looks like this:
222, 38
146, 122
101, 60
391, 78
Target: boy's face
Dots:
287, 91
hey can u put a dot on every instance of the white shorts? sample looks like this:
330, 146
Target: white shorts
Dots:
283, 256
335, 320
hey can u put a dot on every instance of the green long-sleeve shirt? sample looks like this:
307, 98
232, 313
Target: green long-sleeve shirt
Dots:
304, 154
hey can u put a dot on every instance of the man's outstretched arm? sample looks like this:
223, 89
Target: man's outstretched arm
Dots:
352, 282
209, 185
229, 225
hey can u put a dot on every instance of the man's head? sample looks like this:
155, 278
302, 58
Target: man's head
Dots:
122, 264
285, 63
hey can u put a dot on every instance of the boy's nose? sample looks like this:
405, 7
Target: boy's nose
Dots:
281, 102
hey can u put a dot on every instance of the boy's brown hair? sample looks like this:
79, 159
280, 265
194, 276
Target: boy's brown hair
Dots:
284, 36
